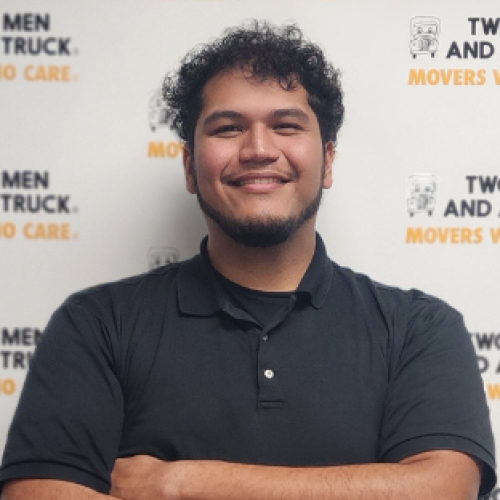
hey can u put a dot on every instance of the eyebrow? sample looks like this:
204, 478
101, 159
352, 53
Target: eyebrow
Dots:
217, 115
277, 113
291, 112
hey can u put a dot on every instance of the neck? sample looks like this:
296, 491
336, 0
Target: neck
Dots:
278, 268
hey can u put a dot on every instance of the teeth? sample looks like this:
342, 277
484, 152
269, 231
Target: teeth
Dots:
260, 180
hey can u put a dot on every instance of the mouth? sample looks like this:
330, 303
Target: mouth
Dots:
258, 180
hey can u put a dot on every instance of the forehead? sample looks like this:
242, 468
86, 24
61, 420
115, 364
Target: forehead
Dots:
238, 90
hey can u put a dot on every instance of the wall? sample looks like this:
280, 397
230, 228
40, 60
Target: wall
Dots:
92, 187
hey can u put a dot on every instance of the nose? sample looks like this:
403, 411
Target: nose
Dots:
259, 146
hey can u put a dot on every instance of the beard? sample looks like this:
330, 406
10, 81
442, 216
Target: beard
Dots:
260, 232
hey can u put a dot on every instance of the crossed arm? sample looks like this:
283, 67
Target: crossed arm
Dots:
436, 475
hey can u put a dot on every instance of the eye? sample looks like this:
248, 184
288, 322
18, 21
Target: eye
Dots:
226, 131
287, 128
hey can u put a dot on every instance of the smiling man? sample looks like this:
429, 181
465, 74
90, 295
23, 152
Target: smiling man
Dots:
264, 163
258, 166
259, 369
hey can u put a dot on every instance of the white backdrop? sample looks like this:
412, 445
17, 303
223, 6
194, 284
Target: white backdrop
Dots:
92, 188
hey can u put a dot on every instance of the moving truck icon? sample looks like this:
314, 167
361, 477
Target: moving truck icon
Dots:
425, 35
161, 256
421, 193
159, 115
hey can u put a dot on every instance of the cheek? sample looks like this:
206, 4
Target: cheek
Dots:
212, 160
307, 158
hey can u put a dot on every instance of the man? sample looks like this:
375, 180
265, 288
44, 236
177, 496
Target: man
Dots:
258, 369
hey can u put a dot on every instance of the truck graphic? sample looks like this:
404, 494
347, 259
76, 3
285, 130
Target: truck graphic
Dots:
421, 193
162, 256
159, 115
424, 35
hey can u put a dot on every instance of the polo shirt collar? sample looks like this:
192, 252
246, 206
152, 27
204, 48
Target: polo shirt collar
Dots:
317, 281
201, 294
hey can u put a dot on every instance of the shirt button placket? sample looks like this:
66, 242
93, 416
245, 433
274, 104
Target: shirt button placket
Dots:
268, 384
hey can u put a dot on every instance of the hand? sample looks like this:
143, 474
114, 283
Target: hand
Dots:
143, 477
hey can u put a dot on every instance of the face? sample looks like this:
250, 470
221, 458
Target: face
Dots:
258, 165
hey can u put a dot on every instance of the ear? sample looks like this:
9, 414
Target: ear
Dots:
328, 159
187, 159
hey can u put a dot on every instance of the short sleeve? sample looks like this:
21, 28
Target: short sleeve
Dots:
69, 419
436, 396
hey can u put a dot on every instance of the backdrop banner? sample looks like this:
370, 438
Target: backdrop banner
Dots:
91, 177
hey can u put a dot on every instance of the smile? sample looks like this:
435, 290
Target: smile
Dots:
256, 180
259, 180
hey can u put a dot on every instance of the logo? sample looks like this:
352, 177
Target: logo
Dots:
162, 256
464, 46
20, 45
28, 37
425, 35
487, 346
459, 223
421, 193
159, 115
17, 346
28, 194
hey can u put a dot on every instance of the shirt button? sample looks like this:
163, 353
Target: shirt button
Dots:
268, 373
265, 337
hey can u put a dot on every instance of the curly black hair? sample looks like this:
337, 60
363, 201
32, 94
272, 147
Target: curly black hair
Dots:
264, 51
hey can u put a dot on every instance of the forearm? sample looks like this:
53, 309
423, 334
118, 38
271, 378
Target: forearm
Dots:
424, 477
49, 489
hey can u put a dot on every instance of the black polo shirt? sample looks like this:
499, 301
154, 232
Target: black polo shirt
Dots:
166, 364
